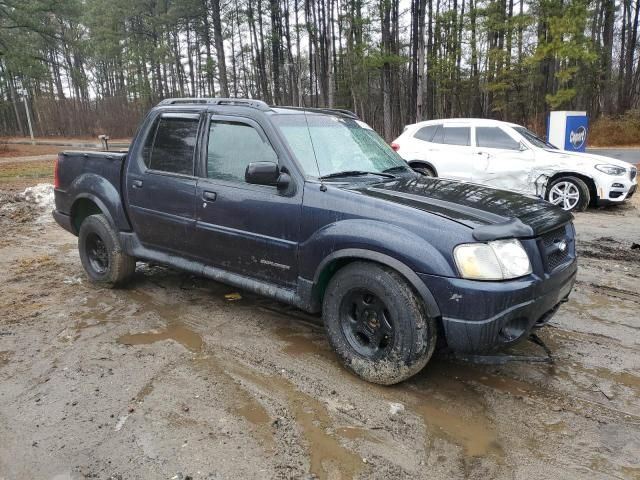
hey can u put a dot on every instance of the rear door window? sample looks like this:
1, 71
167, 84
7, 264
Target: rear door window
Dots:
173, 145
494, 137
457, 136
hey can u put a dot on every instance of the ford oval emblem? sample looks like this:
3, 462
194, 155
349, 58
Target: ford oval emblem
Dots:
578, 137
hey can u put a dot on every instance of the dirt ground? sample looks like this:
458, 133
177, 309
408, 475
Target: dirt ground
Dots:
179, 377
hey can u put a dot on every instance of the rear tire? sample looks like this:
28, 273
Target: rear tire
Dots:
377, 324
101, 254
569, 193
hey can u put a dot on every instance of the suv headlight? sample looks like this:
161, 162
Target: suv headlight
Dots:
611, 169
497, 260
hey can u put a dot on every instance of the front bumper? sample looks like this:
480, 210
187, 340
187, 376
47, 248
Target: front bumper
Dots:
617, 189
480, 317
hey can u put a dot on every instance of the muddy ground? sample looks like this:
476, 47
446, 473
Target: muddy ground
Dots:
180, 377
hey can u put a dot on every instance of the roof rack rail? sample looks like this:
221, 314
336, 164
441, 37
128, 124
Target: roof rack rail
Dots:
344, 111
339, 111
248, 102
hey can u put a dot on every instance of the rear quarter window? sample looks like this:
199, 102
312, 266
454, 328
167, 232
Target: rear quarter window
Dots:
427, 133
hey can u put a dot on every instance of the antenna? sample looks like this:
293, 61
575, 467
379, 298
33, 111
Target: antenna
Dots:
323, 187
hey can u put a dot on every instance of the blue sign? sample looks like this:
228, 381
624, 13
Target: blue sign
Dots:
575, 139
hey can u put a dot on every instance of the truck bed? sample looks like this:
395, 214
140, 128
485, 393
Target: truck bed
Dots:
97, 172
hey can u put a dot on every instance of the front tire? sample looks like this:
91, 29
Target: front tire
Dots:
569, 193
101, 254
377, 324
425, 171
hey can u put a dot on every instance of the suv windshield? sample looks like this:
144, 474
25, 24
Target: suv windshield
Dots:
335, 145
534, 139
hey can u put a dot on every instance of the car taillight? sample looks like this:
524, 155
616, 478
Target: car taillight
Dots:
56, 178
395, 146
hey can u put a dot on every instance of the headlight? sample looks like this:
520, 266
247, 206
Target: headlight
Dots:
497, 260
611, 169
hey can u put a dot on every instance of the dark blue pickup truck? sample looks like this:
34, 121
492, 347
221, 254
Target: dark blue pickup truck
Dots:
312, 208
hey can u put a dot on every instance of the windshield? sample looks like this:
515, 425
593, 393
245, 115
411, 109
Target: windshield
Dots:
339, 144
534, 139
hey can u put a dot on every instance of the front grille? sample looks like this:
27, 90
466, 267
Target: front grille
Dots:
633, 173
551, 253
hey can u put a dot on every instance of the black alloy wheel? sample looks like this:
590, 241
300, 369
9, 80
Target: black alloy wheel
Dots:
366, 323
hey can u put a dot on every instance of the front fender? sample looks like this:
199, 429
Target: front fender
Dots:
396, 242
99, 190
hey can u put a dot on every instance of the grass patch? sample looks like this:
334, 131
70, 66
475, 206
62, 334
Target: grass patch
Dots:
616, 131
11, 171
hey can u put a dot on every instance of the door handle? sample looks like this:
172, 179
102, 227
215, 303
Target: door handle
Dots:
209, 196
136, 184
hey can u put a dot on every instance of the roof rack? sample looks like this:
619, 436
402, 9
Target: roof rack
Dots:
336, 111
247, 102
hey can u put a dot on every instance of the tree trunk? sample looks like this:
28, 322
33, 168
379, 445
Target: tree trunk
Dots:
219, 43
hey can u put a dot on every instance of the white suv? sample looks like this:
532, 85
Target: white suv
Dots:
506, 155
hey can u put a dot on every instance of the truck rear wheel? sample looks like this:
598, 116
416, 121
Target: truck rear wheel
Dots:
377, 324
101, 253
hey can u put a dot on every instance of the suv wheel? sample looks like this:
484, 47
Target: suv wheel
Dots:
425, 170
101, 253
569, 193
376, 323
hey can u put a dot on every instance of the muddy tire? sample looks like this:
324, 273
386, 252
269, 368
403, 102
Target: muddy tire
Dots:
424, 171
101, 253
377, 324
569, 193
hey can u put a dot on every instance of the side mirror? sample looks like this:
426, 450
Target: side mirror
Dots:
522, 147
266, 173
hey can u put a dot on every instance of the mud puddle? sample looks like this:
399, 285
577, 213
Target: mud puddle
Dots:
299, 343
328, 458
174, 329
245, 405
4, 358
475, 435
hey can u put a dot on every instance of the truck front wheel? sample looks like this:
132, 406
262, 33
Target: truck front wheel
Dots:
101, 253
377, 324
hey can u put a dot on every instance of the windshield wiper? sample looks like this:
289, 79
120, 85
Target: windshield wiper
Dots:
355, 173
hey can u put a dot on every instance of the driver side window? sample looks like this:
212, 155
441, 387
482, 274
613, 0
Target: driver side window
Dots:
232, 146
494, 137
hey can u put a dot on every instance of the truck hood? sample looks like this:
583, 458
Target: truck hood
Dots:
491, 213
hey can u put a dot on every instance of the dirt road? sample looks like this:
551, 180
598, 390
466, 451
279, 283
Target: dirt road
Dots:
180, 377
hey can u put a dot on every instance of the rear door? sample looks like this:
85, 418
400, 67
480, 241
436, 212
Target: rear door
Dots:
453, 151
501, 160
418, 146
247, 229
161, 184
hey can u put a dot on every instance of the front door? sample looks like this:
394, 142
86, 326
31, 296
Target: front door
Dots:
247, 229
501, 161
161, 185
